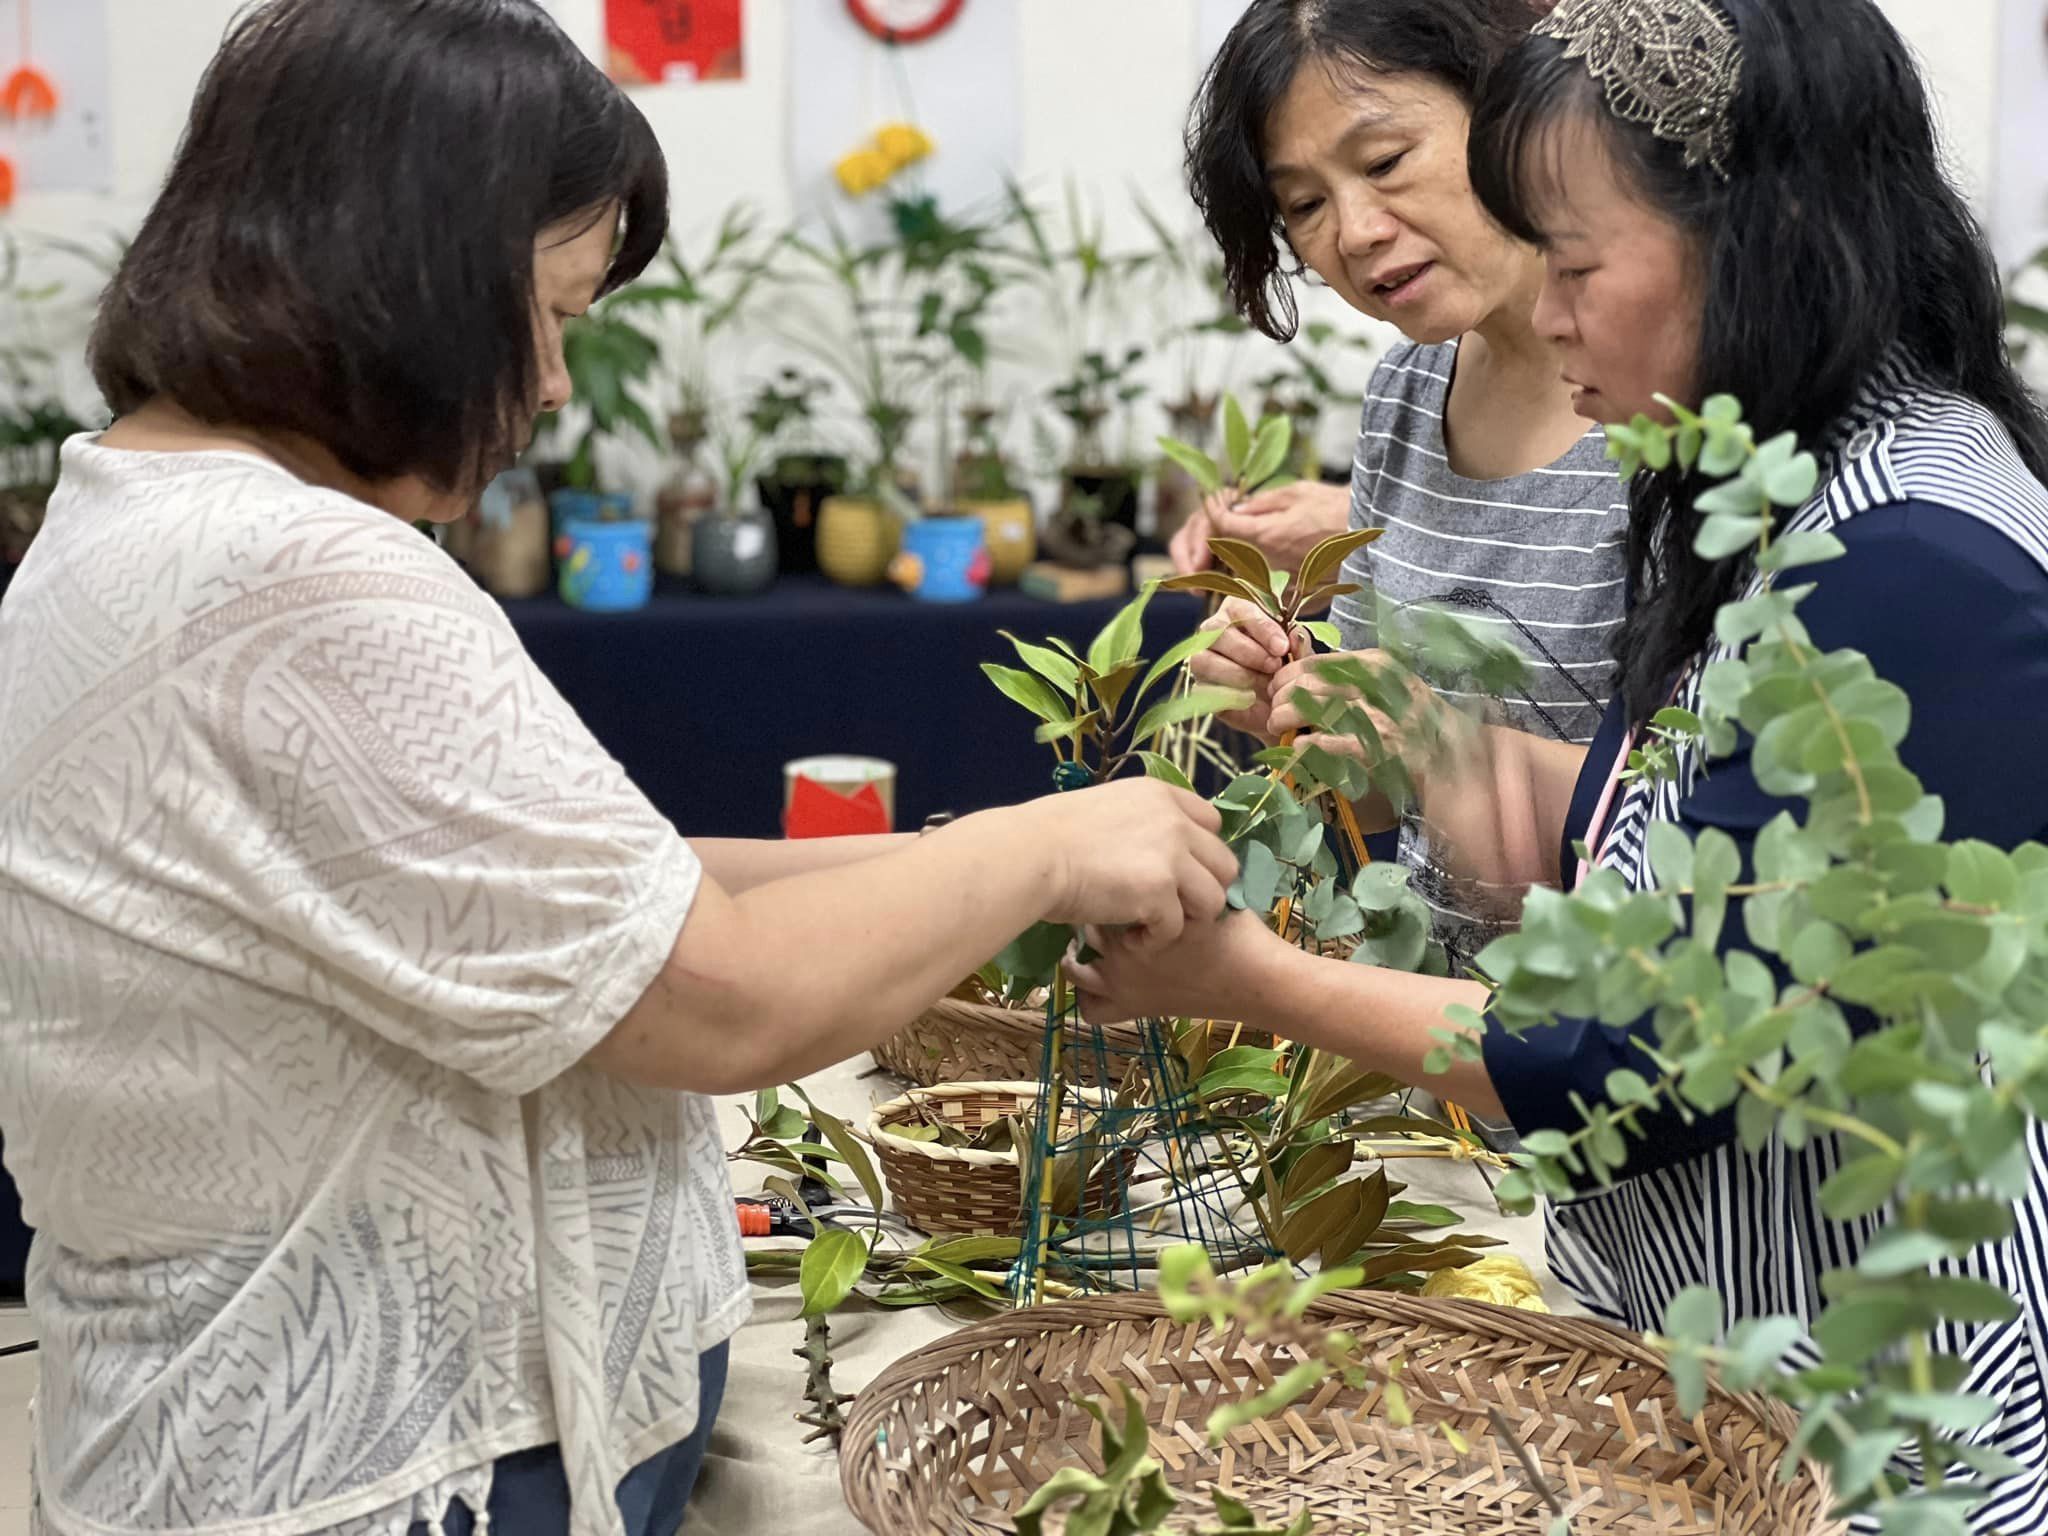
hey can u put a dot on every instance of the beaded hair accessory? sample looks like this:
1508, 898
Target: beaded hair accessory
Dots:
1671, 65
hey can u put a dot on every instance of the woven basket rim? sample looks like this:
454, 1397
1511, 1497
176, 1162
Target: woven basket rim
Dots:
969, 1156
1585, 1336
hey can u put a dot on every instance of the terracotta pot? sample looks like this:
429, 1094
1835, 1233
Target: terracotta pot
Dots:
677, 511
509, 551
857, 539
1011, 533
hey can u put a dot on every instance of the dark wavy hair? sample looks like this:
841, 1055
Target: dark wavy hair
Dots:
1452, 41
1836, 242
344, 246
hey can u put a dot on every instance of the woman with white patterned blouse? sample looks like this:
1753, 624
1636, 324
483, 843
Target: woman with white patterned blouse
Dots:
358, 1012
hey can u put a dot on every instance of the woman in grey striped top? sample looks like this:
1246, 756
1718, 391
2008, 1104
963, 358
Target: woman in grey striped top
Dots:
1334, 130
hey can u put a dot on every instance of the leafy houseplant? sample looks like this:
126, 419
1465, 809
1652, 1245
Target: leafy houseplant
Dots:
734, 547
34, 421
1100, 489
608, 357
794, 485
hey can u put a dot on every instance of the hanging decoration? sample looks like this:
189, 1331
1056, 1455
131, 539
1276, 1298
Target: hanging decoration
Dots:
905, 21
894, 100
654, 42
28, 94
54, 96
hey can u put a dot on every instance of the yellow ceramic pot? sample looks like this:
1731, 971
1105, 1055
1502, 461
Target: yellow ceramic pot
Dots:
857, 538
1011, 534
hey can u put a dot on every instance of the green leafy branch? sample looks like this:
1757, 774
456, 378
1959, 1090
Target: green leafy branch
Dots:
1943, 947
1253, 460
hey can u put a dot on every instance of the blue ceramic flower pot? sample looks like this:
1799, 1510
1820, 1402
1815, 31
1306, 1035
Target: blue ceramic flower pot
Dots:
570, 506
605, 567
944, 560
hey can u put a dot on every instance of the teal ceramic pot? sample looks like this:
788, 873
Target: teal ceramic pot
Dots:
735, 556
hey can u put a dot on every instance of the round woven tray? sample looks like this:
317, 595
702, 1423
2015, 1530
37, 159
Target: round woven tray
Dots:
952, 1437
955, 1041
960, 1190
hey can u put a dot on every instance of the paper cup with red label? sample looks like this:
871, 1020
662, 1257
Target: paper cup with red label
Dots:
838, 797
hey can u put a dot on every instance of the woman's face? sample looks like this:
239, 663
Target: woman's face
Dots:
569, 263
1368, 173
1621, 295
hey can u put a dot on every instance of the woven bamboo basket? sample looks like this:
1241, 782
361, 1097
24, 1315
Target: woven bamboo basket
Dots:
956, 1041
951, 1438
968, 1192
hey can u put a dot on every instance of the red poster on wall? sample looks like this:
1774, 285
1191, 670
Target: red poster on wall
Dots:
652, 41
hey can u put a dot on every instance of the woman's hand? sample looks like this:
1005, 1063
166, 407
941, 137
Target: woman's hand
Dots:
1253, 652
1284, 524
1213, 971
1138, 854
1309, 676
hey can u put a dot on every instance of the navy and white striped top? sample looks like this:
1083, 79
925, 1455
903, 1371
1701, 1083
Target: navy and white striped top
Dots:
1944, 587
1541, 556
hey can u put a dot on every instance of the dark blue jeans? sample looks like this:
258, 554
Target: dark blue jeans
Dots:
530, 1489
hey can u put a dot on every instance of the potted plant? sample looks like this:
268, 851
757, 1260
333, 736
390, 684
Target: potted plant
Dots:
34, 421
1303, 386
1184, 280
795, 483
735, 552
688, 301
898, 309
985, 488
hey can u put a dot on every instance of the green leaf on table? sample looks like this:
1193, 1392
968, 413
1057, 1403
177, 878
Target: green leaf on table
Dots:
848, 1146
832, 1266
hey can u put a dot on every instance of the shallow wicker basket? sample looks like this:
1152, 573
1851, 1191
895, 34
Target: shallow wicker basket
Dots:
952, 1437
960, 1190
956, 1041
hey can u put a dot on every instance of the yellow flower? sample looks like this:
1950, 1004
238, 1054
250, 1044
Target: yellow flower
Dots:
863, 171
903, 144
1501, 1279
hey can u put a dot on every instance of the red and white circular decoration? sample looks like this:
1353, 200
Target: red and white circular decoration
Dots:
906, 21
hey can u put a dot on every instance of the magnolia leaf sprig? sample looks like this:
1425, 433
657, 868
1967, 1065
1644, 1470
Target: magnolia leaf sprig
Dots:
1852, 901
1254, 459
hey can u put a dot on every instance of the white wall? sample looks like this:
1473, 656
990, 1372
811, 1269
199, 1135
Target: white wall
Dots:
1105, 85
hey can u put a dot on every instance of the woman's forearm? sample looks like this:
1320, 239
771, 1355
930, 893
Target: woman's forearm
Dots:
741, 863
1496, 808
780, 980
1386, 1021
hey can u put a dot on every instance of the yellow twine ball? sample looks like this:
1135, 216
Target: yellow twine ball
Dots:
1501, 1279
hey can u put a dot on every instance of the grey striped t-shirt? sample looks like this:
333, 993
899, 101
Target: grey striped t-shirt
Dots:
1543, 555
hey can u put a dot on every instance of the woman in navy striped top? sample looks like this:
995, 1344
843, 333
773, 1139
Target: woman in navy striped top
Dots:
1770, 220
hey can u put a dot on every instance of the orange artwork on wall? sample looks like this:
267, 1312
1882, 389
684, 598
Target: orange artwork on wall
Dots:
649, 42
